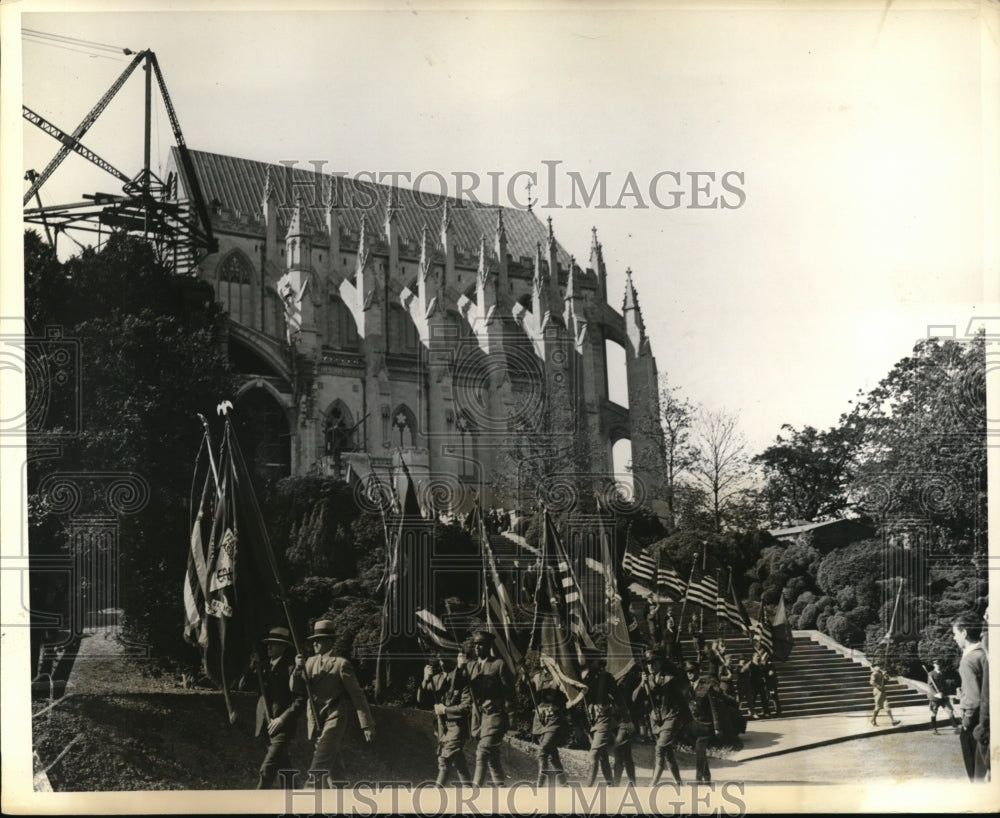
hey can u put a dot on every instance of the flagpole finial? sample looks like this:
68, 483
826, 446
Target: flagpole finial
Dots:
203, 419
224, 408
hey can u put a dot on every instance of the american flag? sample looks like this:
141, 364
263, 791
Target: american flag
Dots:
730, 609
434, 629
703, 589
640, 564
667, 578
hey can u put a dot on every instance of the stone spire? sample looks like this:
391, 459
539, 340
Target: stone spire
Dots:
332, 222
597, 264
500, 248
555, 297
391, 228
635, 327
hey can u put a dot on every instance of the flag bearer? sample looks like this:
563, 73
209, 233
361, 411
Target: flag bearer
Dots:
278, 708
605, 709
550, 725
447, 690
663, 691
492, 689
334, 686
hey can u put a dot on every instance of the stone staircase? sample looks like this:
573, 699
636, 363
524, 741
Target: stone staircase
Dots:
818, 679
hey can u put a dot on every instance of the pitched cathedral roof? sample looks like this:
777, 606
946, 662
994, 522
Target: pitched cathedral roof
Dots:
236, 185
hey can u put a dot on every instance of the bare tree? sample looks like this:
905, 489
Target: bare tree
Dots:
677, 416
721, 467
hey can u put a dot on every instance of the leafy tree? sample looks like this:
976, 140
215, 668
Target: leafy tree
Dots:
150, 360
806, 473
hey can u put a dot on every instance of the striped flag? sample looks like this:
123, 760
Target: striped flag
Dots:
762, 631
557, 654
620, 657
730, 609
501, 615
703, 589
564, 580
434, 629
640, 564
667, 578
196, 583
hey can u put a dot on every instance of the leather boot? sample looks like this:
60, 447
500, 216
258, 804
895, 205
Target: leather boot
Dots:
657, 772
592, 773
675, 771
479, 776
542, 777
561, 779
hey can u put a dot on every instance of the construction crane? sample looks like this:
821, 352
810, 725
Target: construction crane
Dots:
147, 205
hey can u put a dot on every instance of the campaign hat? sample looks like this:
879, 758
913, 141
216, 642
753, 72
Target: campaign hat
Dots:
482, 638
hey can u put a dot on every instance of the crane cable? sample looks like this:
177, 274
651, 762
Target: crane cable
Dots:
76, 44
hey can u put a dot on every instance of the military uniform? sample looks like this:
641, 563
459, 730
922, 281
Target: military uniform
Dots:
703, 704
664, 695
605, 707
451, 690
491, 687
550, 726
878, 680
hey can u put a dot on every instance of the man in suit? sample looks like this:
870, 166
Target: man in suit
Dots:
966, 630
492, 689
447, 691
277, 708
332, 682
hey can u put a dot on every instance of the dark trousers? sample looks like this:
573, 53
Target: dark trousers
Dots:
451, 757
276, 758
702, 773
970, 749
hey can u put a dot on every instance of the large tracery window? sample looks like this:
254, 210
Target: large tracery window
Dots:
236, 287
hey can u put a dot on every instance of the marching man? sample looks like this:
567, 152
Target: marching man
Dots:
332, 683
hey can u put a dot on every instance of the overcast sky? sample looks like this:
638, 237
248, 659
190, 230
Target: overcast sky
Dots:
857, 136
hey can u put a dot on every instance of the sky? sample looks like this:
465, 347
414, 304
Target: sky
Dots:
853, 135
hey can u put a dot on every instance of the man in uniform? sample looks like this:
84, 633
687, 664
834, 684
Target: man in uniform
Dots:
663, 693
703, 705
550, 725
878, 680
332, 681
605, 708
491, 687
277, 708
937, 696
447, 691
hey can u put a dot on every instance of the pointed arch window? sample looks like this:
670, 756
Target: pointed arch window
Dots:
235, 287
404, 427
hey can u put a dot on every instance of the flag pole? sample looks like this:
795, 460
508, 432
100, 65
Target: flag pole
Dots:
687, 590
238, 461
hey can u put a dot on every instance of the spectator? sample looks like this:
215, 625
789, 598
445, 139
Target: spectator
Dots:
966, 630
